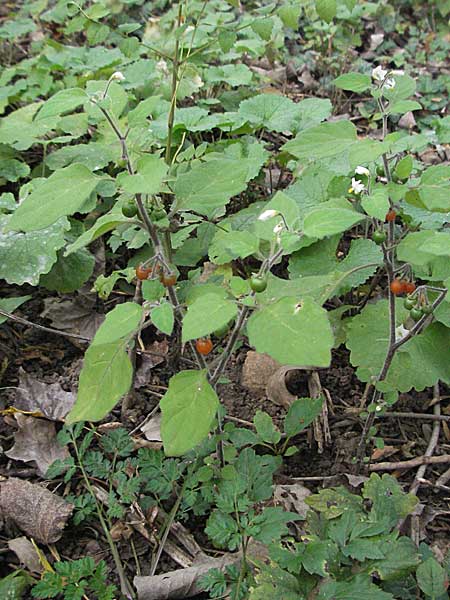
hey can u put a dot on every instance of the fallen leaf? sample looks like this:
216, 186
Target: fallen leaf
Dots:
26, 553
407, 121
183, 583
277, 390
257, 370
36, 511
152, 429
376, 39
356, 480
76, 316
35, 441
292, 498
380, 453
149, 361
47, 398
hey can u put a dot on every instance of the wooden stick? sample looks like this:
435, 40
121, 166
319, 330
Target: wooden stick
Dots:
411, 464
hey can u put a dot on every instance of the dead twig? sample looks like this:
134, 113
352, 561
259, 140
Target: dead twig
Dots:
411, 464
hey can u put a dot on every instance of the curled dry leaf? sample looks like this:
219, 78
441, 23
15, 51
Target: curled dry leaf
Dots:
26, 553
36, 511
257, 370
152, 429
35, 441
183, 583
277, 390
47, 398
76, 316
292, 498
149, 361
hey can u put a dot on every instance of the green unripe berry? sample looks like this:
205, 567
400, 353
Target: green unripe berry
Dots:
258, 284
416, 314
379, 237
409, 303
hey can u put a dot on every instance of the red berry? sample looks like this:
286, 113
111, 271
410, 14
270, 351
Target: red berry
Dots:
204, 346
143, 273
397, 287
390, 216
409, 287
168, 280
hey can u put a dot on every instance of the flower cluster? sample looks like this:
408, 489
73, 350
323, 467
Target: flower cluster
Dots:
381, 75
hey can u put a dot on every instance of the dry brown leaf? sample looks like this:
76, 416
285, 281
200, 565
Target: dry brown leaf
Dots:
292, 498
149, 361
277, 390
152, 429
36, 511
35, 441
380, 453
26, 553
183, 583
257, 370
407, 121
49, 399
74, 316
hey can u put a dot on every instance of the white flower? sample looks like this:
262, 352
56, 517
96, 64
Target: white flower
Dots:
379, 74
357, 187
362, 171
118, 76
267, 214
389, 83
278, 228
400, 333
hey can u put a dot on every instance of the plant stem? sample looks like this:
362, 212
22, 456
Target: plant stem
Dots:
125, 585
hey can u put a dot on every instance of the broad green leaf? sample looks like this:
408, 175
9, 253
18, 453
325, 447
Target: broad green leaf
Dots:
265, 428
234, 75
428, 349
358, 588
62, 102
403, 106
289, 13
206, 314
20, 131
188, 410
15, 585
163, 318
122, 321
353, 82
404, 167
10, 305
13, 170
149, 176
329, 219
69, 273
376, 204
401, 558
438, 245
271, 524
333, 502
103, 225
104, 285
94, 156
432, 578
434, 188
263, 27
273, 582
277, 328
106, 376
62, 194
301, 414
230, 245
210, 185
153, 289
404, 88
389, 502
311, 112
326, 9
323, 141
271, 111
24, 257
227, 39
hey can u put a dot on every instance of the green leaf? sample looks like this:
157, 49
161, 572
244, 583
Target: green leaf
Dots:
14, 585
103, 225
333, 502
63, 193
434, 188
428, 349
163, 318
353, 82
229, 245
13, 170
400, 558
24, 257
273, 582
152, 290
188, 410
148, 179
62, 102
323, 141
210, 185
106, 376
301, 414
122, 321
404, 167
376, 204
329, 219
271, 523
289, 13
265, 428
10, 305
326, 9
432, 578
206, 314
271, 111
438, 244
277, 328
227, 40
263, 28
358, 588
68, 274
